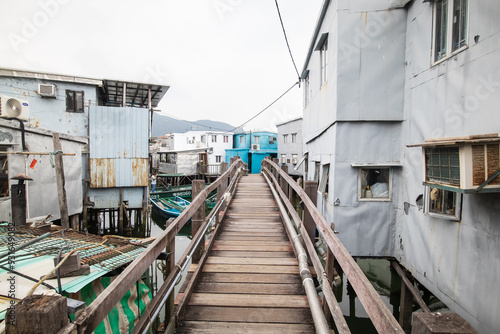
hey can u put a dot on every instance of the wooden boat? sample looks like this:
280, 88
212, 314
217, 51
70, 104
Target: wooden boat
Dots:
164, 208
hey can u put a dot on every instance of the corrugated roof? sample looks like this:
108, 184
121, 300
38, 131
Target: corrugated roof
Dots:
101, 254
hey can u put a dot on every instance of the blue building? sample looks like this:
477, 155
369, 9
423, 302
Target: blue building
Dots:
253, 147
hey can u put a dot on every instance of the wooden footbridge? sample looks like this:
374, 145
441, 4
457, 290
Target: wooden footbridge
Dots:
256, 273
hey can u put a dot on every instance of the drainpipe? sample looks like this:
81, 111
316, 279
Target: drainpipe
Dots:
316, 310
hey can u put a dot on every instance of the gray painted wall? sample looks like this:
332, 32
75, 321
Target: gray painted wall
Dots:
50, 113
289, 148
389, 80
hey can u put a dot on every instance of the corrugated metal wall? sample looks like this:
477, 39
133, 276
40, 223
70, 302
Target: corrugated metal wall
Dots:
118, 147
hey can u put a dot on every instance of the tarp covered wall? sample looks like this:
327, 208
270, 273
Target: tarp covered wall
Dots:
42, 191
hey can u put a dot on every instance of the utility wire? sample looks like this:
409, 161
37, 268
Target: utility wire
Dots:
286, 39
260, 112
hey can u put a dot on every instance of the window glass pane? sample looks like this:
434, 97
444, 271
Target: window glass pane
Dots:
443, 165
70, 101
324, 179
440, 29
256, 139
374, 182
442, 201
459, 24
79, 101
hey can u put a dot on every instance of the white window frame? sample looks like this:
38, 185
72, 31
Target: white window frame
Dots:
294, 138
226, 139
214, 138
218, 158
449, 51
283, 158
307, 91
324, 181
324, 63
361, 198
203, 138
456, 216
241, 140
285, 138
295, 159
256, 139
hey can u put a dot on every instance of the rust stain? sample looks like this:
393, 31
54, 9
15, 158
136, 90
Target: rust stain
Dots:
102, 173
140, 172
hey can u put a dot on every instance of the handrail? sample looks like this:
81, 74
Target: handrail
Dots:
379, 314
92, 316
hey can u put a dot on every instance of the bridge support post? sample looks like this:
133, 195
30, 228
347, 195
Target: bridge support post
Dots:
198, 218
283, 183
311, 190
169, 267
275, 172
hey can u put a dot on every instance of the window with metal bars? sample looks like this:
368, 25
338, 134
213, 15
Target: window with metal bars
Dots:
442, 165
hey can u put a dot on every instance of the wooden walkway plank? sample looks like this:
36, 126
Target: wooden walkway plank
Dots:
244, 327
250, 282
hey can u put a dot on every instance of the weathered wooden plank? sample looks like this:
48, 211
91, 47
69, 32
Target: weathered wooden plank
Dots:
287, 248
246, 268
253, 315
281, 261
254, 300
243, 327
250, 278
249, 238
250, 243
250, 230
251, 288
253, 234
229, 253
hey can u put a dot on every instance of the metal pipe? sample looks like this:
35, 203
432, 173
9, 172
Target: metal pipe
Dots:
320, 322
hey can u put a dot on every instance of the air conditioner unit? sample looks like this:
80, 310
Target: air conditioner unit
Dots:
12, 107
255, 147
46, 90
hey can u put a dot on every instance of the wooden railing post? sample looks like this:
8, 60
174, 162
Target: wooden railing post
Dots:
198, 218
223, 186
275, 172
311, 189
169, 267
283, 183
328, 278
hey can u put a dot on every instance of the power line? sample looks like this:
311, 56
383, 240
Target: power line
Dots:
260, 112
286, 39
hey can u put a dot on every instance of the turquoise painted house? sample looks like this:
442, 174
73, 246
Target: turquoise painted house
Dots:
253, 147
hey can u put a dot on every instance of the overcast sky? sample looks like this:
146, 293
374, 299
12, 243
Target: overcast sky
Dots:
225, 60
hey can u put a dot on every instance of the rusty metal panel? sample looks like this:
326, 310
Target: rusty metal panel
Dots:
118, 132
118, 147
102, 173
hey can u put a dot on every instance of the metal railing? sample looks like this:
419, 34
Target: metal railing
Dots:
89, 319
379, 314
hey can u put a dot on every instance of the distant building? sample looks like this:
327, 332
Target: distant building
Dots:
252, 147
290, 146
217, 141
110, 121
401, 128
